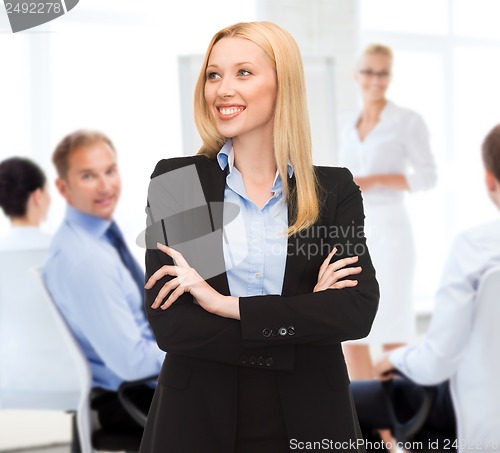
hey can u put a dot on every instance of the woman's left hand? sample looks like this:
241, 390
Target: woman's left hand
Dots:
330, 274
187, 280
394, 181
366, 183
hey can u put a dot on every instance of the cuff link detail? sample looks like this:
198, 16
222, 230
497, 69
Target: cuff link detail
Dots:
282, 331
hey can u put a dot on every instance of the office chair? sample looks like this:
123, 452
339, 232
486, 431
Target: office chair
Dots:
412, 432
102, 439
124, 440
42, 366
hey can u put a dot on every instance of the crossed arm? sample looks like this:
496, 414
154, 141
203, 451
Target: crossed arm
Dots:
187, 280
198, 321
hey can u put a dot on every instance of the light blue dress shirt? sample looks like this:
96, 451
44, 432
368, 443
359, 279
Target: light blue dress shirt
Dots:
255, 250
100, 301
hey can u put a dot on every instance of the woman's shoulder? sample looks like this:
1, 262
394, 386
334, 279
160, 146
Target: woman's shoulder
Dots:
328, 172
174, 163
403, 114
332, 178
25, 238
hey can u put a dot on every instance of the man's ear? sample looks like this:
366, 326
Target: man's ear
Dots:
62, 187
491, 182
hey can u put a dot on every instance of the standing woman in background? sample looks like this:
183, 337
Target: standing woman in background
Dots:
387, 150
254, 361
25, 200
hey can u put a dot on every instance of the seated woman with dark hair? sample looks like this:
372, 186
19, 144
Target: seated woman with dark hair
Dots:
25, 200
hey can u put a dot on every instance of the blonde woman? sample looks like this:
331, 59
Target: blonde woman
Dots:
387, 149
254, 361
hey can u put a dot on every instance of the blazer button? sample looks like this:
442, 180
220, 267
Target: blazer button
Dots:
243, 359
266, 332
253, 360
261, 361
274, 332
282, 331
269, 361
291, 330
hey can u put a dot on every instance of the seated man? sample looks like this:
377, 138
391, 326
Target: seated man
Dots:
436, 359
94, 280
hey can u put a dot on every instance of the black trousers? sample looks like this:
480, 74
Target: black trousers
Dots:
261, 425
111, 414
407, 398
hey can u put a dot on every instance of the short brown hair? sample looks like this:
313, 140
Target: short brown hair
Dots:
491, 152
78, 139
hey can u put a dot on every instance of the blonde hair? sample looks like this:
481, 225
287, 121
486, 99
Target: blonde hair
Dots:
291, 135
377, 49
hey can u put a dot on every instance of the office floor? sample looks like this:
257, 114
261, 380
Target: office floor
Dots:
52, 449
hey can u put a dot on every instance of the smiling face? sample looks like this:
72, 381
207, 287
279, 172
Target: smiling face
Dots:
373, 76
92, 184
240, 89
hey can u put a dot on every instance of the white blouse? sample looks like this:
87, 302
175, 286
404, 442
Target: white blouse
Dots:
25, 238
398, 144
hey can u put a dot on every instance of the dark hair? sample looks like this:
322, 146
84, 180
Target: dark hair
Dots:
19, 178
78, 139
491, 152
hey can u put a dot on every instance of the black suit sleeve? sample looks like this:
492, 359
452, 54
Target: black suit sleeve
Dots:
329, 316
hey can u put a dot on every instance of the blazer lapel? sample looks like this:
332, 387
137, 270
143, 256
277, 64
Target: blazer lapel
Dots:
295, 259
213, 183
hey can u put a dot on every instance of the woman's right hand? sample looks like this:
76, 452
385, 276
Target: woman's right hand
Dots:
330, 273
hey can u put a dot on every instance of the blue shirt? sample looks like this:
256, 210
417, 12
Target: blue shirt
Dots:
255, 244
99, 299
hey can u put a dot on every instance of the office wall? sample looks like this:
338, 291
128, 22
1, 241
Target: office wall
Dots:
327, 28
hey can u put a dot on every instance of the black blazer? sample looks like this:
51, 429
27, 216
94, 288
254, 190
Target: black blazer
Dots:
296, 335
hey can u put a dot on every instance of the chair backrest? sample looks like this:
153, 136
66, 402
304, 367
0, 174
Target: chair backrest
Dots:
475, 388
41, 365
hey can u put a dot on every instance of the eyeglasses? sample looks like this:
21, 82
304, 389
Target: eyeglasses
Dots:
369, 73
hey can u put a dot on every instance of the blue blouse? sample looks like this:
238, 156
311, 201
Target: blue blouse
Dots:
255, 243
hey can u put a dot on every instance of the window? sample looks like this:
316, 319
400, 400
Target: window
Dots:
447, 67
110, 66
476, 19
15, 90
409, 16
